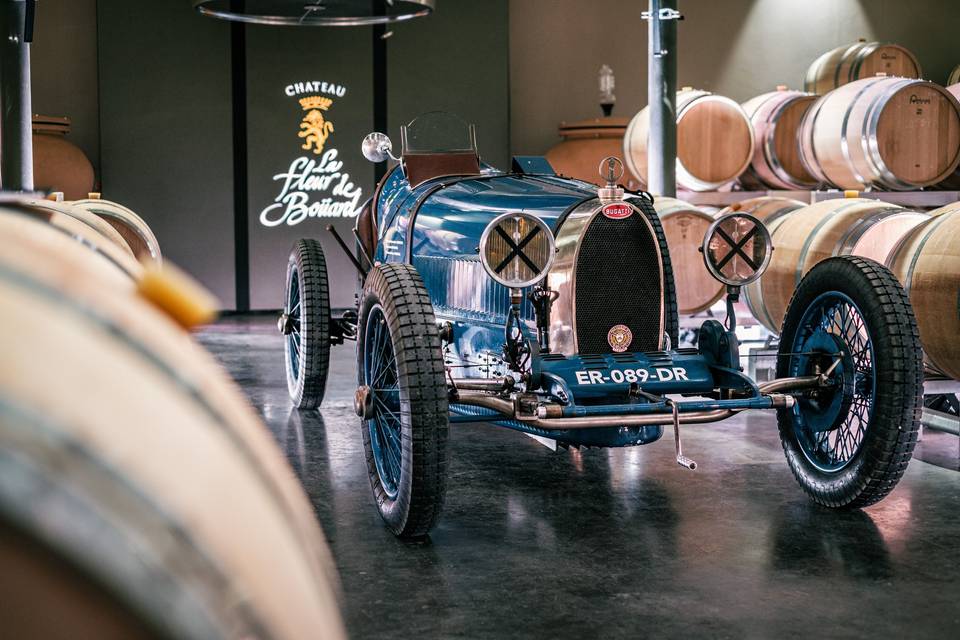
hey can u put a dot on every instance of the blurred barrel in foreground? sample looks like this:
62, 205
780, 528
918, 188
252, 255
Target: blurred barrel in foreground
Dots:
776, 118
862, 59
714, 141
895, 133
58, 164
685, 225
135, 232
927, 263
805, 236
585, 144
139, 492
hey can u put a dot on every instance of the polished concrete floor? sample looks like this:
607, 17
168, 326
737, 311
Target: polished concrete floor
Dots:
612, 543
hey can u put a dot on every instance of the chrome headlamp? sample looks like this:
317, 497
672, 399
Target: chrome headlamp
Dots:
517, 250
736, 249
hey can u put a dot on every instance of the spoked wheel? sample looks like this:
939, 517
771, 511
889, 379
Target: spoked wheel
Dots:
305, 324
402, 399
848, 443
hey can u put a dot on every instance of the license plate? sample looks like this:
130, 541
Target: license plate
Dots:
629, 376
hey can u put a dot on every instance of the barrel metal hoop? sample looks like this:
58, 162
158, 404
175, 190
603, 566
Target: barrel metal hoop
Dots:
908, 279
870, 144
769, 153
814, 168
810, 238
845, 145
860, 226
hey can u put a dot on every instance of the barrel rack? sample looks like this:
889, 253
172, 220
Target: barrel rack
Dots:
922, 199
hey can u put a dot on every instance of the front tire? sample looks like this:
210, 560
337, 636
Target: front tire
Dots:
401, 378
305, 324
848, 445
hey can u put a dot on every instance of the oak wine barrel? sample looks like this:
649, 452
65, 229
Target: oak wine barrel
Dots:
58, 164
952, 181
685, 226
136, 233
145, 497
927, 263
776, 118
714, 141
862, 59
895, 133
806, 236
954, 77
81, 228
585, 144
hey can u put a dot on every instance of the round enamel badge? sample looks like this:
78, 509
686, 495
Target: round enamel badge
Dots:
619, 337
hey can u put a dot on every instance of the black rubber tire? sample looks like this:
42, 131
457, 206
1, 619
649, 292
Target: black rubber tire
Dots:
893, 428
308, 265
424, 411
671, 320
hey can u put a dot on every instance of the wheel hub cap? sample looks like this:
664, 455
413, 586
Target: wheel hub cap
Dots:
363, 402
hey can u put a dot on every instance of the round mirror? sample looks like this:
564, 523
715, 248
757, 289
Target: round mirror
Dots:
517, 250
736, 249
376, 147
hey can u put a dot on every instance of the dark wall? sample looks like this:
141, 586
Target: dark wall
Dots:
278, 58
63, 62
456, 60
165, 126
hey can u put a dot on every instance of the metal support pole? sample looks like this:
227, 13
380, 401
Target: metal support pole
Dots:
662, 98
16, 142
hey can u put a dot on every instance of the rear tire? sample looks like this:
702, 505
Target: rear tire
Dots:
306, 312
400, 361
848, 446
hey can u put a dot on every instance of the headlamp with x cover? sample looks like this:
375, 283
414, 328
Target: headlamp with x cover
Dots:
517, 250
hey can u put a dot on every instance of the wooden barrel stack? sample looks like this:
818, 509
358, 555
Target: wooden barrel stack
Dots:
848, 63
126, 442
893, 133
714, 141
776, 118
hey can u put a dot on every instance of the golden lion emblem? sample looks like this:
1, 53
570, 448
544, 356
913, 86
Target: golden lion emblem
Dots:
315, 130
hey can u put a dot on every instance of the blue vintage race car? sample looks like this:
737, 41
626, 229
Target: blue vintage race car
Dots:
547, 305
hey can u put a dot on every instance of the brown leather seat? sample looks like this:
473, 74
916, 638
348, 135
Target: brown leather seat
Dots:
421, 167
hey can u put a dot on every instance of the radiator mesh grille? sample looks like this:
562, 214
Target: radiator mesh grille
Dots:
618, 281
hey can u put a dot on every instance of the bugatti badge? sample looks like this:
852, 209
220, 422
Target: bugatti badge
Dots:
619, 337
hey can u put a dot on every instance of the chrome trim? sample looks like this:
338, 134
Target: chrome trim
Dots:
563, 329
506, 408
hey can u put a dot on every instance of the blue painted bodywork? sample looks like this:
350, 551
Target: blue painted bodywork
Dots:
436, 226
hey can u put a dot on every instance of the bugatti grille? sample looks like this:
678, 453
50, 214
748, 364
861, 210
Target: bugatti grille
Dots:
618, 281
